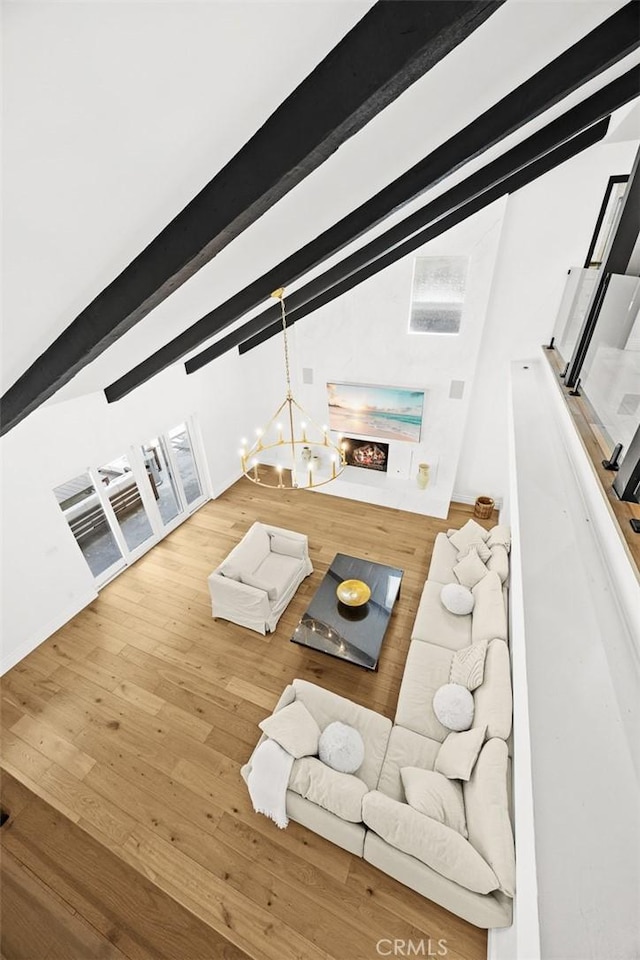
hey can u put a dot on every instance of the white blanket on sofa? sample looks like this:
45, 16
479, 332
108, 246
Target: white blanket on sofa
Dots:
268, 780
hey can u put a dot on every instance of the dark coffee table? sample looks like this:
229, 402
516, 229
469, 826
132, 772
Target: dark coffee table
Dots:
354, 634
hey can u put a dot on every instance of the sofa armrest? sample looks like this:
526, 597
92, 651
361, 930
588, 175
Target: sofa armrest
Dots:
240, 596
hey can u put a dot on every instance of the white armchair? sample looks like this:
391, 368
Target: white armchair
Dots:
254, 584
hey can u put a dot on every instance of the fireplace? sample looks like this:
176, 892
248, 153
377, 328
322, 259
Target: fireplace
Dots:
368, 454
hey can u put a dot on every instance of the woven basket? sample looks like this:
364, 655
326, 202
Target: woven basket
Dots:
484, 508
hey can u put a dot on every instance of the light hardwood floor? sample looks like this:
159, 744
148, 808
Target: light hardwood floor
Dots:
133, 721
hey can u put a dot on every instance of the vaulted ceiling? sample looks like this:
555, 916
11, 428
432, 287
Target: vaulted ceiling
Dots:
282, 120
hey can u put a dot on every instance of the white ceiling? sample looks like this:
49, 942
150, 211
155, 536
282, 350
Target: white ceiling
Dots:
117, 113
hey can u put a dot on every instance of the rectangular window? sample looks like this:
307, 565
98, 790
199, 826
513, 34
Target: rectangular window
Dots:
437, 296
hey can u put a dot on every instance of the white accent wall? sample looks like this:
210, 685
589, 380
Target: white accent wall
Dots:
547, 229
46, 580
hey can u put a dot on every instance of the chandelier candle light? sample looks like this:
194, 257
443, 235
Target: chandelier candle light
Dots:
292, 450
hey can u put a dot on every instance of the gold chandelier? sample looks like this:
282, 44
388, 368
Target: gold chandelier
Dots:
292, 452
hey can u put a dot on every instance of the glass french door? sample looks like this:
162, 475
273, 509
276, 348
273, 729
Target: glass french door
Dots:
161, 477
123, 493
182, 450
82, 507
119, 510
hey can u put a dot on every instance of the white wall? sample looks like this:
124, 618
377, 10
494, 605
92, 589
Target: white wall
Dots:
363, 338
45, 577
547, 229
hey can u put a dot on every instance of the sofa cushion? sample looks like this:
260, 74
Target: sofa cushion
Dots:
493, 698
288, 546
374, 729
489, 618
458, 754
499, 561
463, 538
501, 534
294, 729
481, 549
443, 559
426, 669
406, 749
470, 570
340, 793
435, 796
278, 571
440, 847
467, 665
434, 624
487, 807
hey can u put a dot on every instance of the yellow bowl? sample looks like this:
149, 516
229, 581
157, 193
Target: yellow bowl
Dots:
353, 592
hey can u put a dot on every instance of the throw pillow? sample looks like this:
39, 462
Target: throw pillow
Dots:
453, 706
467, 665
464, 537
499, 561
294, 729
457, 599
481, 549
471, 570
436, 796
341, 747
287, 546
458, 754
251, 581
500, 534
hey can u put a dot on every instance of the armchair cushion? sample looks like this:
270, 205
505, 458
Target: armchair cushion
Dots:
251, 551
288, 547
277, 571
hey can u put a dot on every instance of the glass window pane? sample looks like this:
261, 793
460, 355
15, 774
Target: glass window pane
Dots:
124, 497
183, 452
81, 506
438, 294
161, 479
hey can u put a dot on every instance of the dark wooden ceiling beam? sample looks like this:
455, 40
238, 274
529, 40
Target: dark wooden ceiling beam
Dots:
396, 42
612, 40
517, 180
600, 104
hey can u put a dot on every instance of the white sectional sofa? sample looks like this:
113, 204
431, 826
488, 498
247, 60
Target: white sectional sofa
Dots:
367, 812
255, 583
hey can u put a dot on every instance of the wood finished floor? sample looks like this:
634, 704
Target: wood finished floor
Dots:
133, 720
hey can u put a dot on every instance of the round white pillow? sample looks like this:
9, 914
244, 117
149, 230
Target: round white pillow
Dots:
457, 599
341, 747
453, 706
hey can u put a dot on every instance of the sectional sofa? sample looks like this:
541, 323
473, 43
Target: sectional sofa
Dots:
470, 870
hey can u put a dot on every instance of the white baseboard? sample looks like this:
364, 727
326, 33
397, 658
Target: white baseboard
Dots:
465, 498
23, 649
